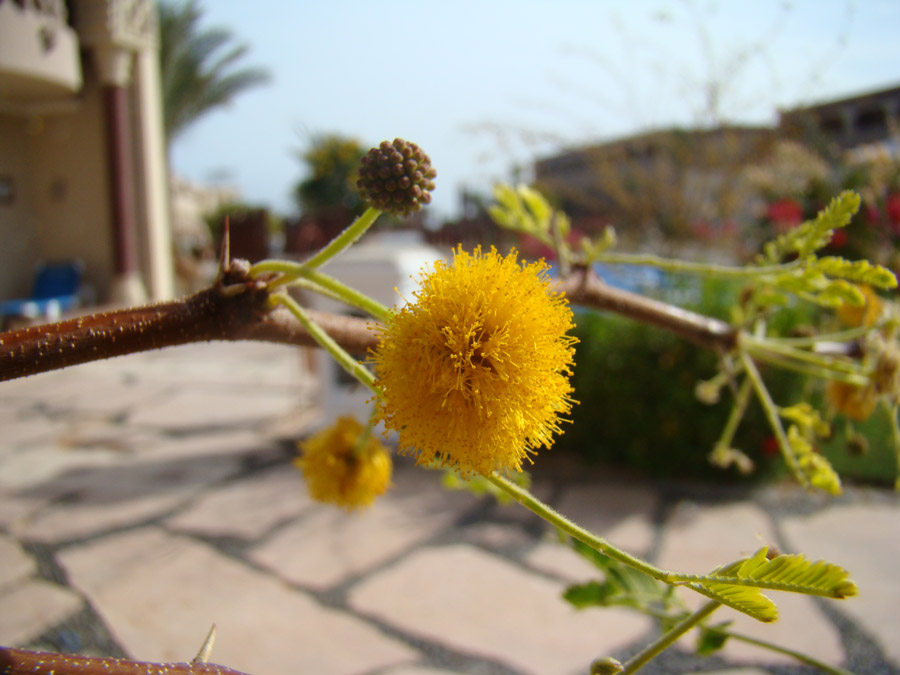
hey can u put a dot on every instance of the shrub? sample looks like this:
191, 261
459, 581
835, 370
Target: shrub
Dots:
635, 388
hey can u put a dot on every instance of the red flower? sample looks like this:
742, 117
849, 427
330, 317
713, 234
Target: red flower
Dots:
785, 213
871, 214
892, 208
839, 239
770, 446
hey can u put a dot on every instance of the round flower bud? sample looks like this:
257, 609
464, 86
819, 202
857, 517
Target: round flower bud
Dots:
396, 177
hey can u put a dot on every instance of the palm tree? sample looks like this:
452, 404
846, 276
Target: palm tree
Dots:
197, 66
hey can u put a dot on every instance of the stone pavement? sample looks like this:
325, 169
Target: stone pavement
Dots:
145, 498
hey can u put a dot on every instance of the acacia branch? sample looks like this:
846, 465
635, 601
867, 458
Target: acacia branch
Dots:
236, 307
585, 288
26, 662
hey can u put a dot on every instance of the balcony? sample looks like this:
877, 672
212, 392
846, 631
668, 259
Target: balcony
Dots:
39, 59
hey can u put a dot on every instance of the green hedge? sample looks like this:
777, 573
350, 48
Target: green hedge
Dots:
635, 387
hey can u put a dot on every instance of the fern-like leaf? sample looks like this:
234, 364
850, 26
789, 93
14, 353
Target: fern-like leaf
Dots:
748, 600
812, 235
817, 470
859, 271
739, 584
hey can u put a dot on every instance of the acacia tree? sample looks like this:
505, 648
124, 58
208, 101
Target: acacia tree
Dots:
473, 377
199, 66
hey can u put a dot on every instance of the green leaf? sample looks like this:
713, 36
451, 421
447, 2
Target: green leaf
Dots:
810, 236
807, 419
745, 599
590, 594
501, 216
794, 573
622, 585
593, 248
539, 207
860, 271
815, 467
710, 640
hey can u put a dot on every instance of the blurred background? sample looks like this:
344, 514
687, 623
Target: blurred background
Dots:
130, 130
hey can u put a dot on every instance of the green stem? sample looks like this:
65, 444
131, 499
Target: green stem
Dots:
562, 523
771, 412
786, 363
839, 336
736, 415
763, 347
666, 640
292, 271
327, 343
685, 266
562, 248
345, 238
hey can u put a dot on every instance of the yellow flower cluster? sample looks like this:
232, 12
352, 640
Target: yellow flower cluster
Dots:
474, 374
345, 465
865, 315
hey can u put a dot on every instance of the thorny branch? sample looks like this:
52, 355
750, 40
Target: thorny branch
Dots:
233, 308
236, 307
26, 662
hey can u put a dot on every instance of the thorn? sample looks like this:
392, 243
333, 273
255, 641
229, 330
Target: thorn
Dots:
206, 648
225, 253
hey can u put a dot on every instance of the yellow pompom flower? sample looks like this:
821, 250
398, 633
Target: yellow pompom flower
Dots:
345, 465
855, 402
474, 374
865, 315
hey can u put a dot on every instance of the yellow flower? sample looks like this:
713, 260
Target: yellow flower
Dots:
475, 374
344, 465
865, 315
857, 403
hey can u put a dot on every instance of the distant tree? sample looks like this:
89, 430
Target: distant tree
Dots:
198, 66
332, 162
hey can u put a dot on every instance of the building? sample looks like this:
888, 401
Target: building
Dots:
82, 150
665, 182
675, 182
852, 123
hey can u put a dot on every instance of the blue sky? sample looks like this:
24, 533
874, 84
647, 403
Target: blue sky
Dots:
486, 85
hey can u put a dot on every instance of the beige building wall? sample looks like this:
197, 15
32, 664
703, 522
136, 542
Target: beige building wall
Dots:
69, 175
54, 138
17, 232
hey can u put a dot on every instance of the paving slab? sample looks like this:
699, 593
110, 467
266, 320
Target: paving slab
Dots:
23, 424
620, 513
865, 539
33, 606
698, 538
735, 671
481, 604
15, 508
39, 465
94, 499
551, 557
330, 545
246, 509
418, 670
211, 407
15, 563
220, 363
159, 593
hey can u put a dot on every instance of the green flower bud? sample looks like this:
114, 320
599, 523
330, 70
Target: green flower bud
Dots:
396, 177
606, 666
